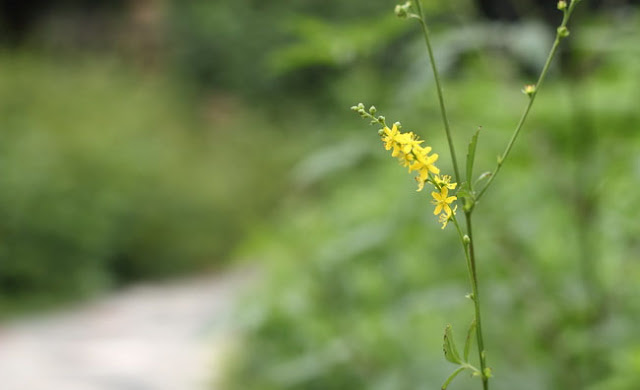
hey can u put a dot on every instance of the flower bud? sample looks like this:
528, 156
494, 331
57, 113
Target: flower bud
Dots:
562, 5
381, 132
529, 89
466, 239
563, 32
381, 119
372, 110
400, 11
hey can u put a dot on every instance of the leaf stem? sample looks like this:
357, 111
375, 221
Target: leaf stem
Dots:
532, 96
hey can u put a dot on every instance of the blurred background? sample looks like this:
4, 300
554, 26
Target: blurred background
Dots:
197, 161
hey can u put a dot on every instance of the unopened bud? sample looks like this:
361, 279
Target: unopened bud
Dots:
563, 32
381, 132
381, 119
398, 125
400, 11
562, 5
372, 110
466, 239
529, 89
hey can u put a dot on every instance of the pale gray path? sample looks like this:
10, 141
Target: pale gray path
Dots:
148, 337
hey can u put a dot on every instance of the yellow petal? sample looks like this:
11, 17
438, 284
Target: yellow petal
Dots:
451, 199
438, 209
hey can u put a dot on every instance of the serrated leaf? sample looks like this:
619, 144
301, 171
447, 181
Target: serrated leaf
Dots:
467, 343
471, 154
449, 346
451, 377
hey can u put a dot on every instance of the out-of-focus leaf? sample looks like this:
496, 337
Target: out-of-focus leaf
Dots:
322, 43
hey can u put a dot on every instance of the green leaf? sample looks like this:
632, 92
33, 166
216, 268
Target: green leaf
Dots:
451, 377
449, 346
467, 344
471, 154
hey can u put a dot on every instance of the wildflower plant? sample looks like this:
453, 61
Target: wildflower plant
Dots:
449, 191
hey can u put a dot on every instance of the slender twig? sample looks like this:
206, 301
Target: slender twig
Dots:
467, 244
532, 96
476, 302
436, 76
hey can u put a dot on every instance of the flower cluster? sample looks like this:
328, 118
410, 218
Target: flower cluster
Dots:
408, 149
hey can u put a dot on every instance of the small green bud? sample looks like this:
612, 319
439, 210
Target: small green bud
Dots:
562, 5
354, 108
372, 110
529, 89
398, 125
381, 132
563, 32
381, 119
400, 11
360, 106
466, 239
470, 296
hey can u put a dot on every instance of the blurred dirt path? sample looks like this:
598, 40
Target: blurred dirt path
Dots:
148, 337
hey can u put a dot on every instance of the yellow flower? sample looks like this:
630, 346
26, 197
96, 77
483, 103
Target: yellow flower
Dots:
424, 164
390, 136
445, 181
444, 217
406, 160
442, 201
404, 144
410, 142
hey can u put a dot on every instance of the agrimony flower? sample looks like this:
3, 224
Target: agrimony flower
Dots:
442, 200
444, 181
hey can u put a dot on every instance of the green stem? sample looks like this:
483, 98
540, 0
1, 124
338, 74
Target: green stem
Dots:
473, 276
436, 76
532, 98
469, 253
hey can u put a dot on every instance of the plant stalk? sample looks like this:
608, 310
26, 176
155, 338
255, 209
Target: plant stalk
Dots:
469, 253
473, 276
436, 76
532, 98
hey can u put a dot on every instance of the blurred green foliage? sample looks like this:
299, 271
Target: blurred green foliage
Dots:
108, 177
361, 281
